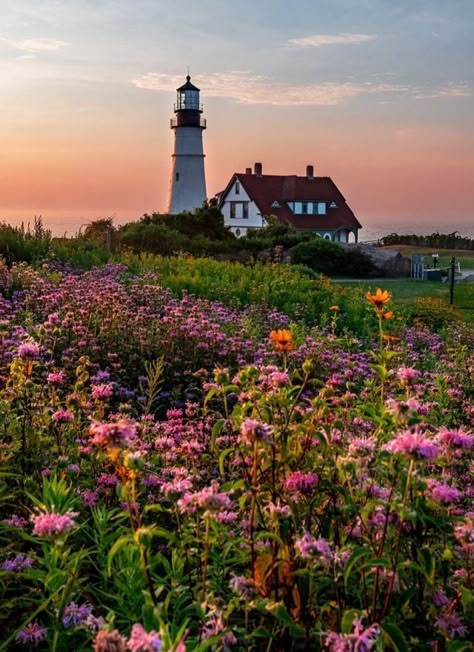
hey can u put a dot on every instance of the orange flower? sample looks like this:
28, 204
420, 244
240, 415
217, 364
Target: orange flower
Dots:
282, 340
334, 308
390, 338
380, 298
388, 314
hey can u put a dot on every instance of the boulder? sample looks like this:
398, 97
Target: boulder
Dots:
386, 262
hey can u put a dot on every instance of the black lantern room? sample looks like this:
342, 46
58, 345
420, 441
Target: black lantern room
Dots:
188, 108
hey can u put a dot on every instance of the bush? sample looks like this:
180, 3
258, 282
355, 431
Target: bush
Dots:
331, 259
18, 243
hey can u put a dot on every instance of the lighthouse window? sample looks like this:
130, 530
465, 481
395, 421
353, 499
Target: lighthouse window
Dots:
177, 176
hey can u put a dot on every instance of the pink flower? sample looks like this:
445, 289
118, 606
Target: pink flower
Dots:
455, 438
407, 375
62, 416
209, 499
413, 444
109, 642
141, 641
50, 524
55, 378
119, 433
29, 350
103, 391
301, 483
251, 429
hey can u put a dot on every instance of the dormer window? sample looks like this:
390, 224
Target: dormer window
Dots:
321, 208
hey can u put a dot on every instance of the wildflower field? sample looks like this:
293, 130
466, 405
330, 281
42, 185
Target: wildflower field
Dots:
187, 474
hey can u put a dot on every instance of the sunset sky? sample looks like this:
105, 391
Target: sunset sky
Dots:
377, 94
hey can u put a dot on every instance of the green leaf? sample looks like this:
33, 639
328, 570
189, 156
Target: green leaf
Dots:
393, 637
467, 599
459, 646
427, 564
118, 545
357, 556
348, 618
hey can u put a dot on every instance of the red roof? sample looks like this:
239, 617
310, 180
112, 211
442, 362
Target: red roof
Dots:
266, 189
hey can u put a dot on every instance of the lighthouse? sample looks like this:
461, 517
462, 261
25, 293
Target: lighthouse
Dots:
188, 181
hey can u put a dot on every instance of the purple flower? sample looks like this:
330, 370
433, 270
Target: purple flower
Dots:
50, 524
17, 564
456, 438
141, 641
359, 640
76, 615
443, 493
451, 625
29, 350
31, 634
16, 521
311, 548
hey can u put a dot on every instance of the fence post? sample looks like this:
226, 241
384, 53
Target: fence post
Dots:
451, 280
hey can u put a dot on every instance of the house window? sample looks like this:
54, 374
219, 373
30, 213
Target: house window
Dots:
245, 210
298, 207
321, 208
327, 236
304, 208
232, 210
176, 176
237, 187
237, 232
275, 204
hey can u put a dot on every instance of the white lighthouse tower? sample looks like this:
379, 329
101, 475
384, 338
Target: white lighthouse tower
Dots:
188, 181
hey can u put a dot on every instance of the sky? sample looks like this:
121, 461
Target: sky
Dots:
377, 94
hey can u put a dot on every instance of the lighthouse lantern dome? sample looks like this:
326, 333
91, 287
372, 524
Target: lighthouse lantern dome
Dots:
188, 97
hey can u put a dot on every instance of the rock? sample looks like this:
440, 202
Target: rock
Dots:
385, 261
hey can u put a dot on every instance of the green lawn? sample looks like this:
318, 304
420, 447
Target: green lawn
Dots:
405, 290
466, 258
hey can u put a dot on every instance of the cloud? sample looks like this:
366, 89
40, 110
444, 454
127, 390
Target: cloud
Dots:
343, 38
37, 44
451, 89
247, 88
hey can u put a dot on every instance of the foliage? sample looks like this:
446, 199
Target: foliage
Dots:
180, 475
18, 243
330, 258
436, 240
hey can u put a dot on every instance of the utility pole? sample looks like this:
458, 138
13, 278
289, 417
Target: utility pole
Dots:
451, 281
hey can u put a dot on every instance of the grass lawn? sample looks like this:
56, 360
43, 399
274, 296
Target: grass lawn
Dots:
465, 257
406, 290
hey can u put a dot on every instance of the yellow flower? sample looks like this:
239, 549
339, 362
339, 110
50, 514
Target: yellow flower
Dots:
282, 340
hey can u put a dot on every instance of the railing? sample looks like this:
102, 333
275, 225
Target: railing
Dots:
184, 121
182, 107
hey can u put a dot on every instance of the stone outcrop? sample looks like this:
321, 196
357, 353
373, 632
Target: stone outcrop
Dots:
386, 262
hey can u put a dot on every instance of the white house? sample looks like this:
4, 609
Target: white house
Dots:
308, 203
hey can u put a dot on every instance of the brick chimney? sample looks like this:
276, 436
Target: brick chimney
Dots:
248, 170
310, 171
258, 169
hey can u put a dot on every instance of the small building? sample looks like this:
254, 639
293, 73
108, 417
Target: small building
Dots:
308, 203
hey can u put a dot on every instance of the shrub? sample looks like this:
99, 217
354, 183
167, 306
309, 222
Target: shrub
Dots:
330, 258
